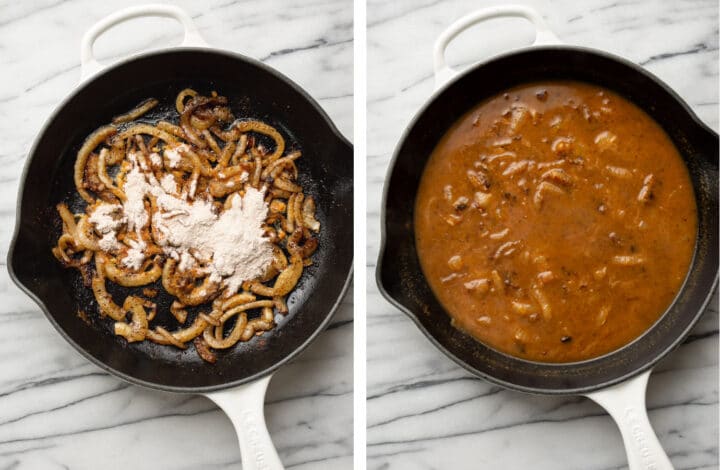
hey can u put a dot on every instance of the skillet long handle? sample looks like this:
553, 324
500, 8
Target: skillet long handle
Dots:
625, 402
244, 406
89, 66
444, 73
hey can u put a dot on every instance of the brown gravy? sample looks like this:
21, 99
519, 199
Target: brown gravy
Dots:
555, 222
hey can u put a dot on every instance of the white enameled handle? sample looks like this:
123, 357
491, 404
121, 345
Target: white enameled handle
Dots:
244, 406
625, 402
89, 66
443, 72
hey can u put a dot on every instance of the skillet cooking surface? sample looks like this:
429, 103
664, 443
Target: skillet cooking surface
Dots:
400, 277
253, 91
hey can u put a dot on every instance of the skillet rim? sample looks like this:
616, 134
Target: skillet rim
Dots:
78, 90
379, 268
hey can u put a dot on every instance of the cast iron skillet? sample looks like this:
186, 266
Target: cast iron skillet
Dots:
399, 275
254, 90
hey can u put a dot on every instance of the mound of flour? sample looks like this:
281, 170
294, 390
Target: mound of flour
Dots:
230, 245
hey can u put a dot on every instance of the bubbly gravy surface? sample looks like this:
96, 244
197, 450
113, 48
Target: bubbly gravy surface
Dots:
555, 222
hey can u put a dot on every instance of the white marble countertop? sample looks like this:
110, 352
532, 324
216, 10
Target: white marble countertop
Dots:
424, 412
56, 409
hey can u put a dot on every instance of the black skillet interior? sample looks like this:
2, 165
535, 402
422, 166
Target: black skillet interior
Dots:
399, 275
254, 91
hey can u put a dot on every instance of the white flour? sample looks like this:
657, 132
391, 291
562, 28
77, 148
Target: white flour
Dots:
107, 219
186, 261
156, 159
230, 246
135, 255
109, 242
168, 184
136, 186
173, 154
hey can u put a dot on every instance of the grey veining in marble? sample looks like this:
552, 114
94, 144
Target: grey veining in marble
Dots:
424, 412
56, 409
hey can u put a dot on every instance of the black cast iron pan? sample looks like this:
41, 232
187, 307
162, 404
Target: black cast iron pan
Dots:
400, 278
254, 90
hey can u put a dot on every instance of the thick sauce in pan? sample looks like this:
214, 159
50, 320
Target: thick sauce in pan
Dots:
555, 222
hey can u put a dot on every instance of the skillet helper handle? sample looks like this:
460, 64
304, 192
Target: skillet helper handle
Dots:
625, 402
444, 73
89, 66
244, 406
